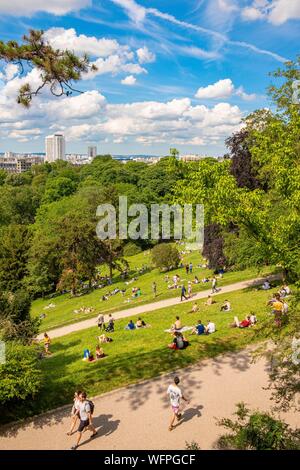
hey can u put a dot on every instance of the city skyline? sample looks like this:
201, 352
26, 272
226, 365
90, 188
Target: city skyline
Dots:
170, 74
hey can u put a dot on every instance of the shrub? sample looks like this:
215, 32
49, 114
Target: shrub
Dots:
165, 256
20, 375
257, 431
131, 249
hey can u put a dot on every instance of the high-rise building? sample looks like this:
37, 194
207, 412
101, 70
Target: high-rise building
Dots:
92, 151
55, 148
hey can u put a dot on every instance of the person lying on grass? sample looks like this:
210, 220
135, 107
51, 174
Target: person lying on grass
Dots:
104, 339
209, 301
250, 320
179, 342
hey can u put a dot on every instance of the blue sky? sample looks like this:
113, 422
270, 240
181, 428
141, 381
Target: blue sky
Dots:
170, 72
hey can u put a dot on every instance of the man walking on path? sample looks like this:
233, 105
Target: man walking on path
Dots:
100, 322
86, 419
183, 292
154, 288
175, 395
214, 285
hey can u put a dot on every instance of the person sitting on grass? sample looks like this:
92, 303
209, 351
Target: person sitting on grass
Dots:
210, 328
226, 306
177, 325
91, 357
210, 301
195, 308
199, 329
179, 342
99, 353
130, 326
196, 280
140, 323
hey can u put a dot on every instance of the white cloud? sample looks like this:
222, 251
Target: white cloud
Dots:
138, 13
223, 89
82, 106
30, 7
9, 72
276, 12
145, 56
135, 12
61, 38
129, 80
197, 52
284, 10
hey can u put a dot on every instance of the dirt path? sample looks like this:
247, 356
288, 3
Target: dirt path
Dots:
137, 417
82, 325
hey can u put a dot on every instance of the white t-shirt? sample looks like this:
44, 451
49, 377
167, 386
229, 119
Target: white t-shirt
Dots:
175, 395
211, 327
84, 408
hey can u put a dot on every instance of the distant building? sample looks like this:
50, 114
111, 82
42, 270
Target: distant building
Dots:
55, 148
18, 164
191, 158
92, 152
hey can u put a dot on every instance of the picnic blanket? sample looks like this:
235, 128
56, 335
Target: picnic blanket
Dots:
182, 330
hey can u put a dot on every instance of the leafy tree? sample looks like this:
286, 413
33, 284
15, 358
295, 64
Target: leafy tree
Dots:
165, 256
58, 187
15, 320
15, 243
20, 375
283, 356
213, 248
58, 69
241, 164
257, 431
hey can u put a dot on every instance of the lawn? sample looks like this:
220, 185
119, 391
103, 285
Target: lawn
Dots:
140, 354
63, 312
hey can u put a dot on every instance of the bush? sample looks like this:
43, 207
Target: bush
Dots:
165, 256
20, 375
257, 431
131, 249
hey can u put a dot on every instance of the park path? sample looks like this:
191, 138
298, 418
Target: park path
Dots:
137, 417
139, 310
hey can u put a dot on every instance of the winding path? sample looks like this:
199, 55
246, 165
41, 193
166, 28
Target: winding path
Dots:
137, 417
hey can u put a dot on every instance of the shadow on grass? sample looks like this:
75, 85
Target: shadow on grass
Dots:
126, 370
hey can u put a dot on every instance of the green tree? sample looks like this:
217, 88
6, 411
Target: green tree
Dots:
20, 376
165, 256
15, 243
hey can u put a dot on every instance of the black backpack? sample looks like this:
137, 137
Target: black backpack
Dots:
92, 406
